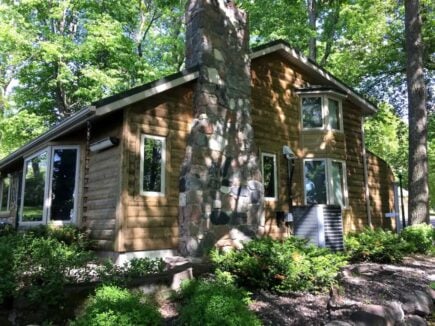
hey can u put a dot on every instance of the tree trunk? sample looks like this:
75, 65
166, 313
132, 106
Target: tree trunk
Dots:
418, 206
312, 18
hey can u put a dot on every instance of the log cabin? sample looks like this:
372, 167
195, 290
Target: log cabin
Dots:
242, 143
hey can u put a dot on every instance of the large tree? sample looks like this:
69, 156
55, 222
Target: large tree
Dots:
418, 209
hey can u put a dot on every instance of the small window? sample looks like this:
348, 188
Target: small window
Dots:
269, 175
152, 165
334, 114
5, 190
325, 182
312, 112
321, 112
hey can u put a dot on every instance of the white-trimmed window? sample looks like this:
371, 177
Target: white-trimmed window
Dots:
50, 186
5, 193
269, 172
321, 112
152, 165
325, 182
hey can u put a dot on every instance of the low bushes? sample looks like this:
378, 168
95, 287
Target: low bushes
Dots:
377, 246
110, 273
382, 246
37, 265
210, 303
113, 306
420, 238
283, 266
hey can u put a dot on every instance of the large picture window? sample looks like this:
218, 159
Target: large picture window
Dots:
325, 182
321, 112
152, 165
5, 190
50, 180
268, 163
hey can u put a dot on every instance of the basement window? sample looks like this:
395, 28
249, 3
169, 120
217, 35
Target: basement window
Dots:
268, 163
5, 191
325, 182
321, 112
152, 165
50, 179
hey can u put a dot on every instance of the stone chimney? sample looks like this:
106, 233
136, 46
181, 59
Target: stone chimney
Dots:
221, 193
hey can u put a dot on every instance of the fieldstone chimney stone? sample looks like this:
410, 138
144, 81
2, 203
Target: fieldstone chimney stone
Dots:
221, 191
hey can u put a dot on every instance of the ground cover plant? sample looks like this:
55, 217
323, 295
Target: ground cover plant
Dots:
377, 245
215, 302
419, 238
37, 267
112, 305
283, 266
383, 246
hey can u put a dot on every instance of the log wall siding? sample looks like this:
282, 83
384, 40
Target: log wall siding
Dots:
381, 191
151, 222
101, 186
276, 122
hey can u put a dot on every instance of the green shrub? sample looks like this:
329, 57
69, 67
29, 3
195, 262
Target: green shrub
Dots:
289, 265
43, 266
36, 265
377, 246
112, 305
215, 303
419, 238
8, 282
110, 273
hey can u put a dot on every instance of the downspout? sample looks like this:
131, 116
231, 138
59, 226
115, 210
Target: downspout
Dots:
366, 175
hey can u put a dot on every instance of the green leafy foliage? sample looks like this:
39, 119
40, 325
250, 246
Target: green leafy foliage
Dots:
377, 246
110, 273
419, 238
215, 303
36, 265
289, 265
113, 306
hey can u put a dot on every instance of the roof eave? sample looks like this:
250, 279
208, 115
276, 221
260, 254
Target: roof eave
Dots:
295, 57
56, 131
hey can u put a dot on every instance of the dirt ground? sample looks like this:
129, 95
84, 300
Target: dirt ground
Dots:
401, 289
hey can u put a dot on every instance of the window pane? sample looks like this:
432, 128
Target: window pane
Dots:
312, 112
337, 196
63, 184
269, 168
152, 164
4, 199
334, 114
34, 188
315, 186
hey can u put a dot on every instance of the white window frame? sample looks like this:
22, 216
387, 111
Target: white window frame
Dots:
163, 166
326, 125
275, 174
46, 211
328, 182
8, 195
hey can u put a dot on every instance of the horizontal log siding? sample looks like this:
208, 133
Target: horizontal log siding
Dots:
381, 191
151, 222
102, 185
355, 216
276, 122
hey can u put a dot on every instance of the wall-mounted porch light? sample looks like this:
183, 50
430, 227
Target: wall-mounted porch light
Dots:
103, 144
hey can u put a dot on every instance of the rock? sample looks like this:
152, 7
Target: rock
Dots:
389, 314
338, 323
413, 320
417, 303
